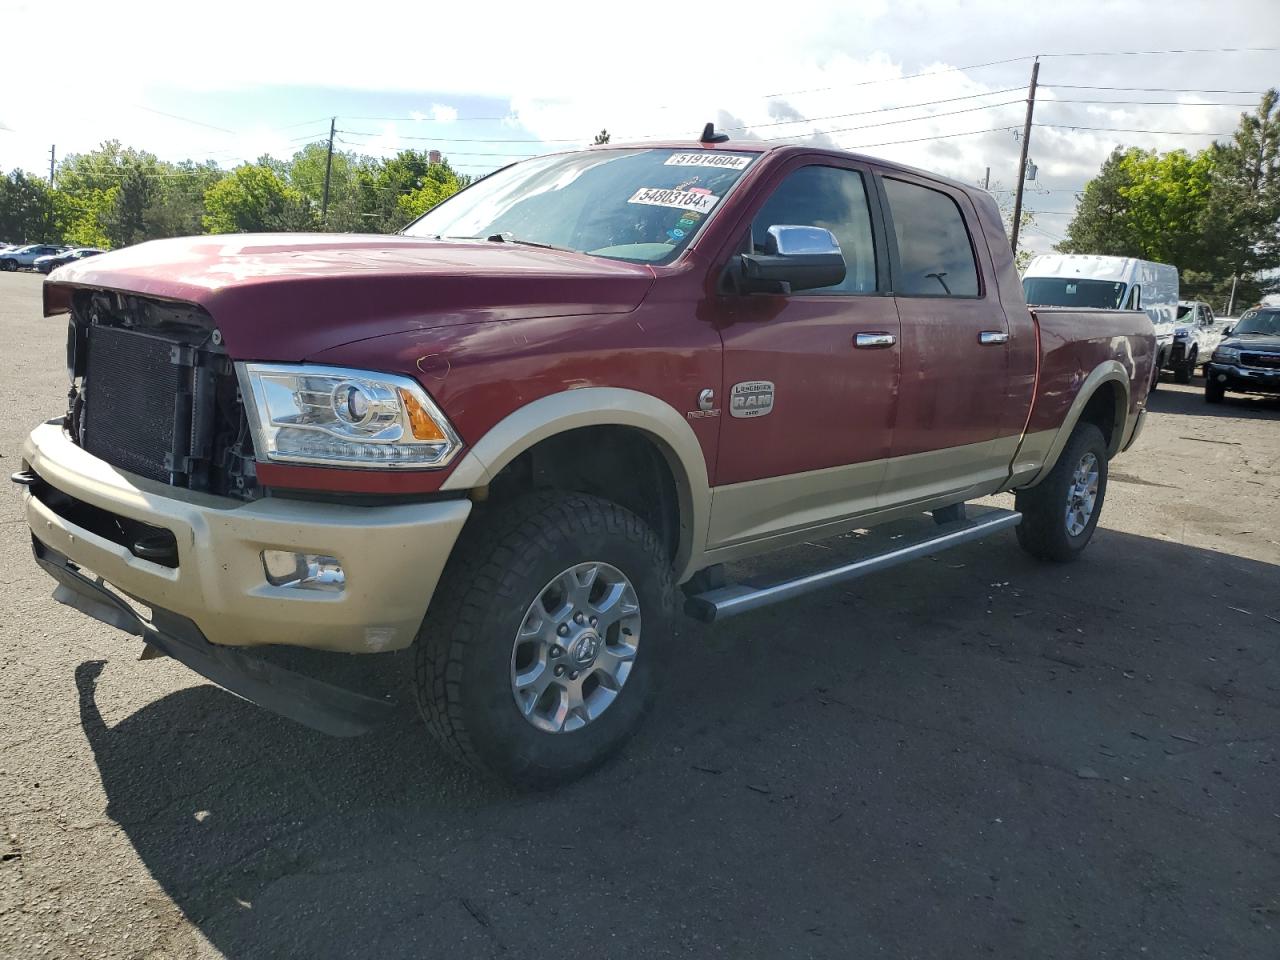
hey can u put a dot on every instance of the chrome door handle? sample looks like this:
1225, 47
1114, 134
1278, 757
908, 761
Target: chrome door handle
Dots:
874, 341
987, 337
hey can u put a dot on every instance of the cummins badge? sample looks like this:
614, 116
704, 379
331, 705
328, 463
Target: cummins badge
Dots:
751, 398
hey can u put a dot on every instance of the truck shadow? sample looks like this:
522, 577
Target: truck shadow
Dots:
1189, 400
1011, 746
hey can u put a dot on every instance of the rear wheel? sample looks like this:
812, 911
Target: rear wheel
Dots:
539, 655
9, 265
1060, 514
1214, 392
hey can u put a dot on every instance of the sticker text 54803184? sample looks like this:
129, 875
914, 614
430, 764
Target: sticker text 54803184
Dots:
679, 199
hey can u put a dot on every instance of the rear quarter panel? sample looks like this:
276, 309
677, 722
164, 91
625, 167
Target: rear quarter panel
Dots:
1074, 343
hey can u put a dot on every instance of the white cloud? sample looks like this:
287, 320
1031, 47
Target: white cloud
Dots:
661, 74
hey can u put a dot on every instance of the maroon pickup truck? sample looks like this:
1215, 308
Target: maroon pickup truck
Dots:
505, 440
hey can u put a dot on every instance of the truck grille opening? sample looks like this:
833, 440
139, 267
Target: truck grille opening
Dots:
1267, 361
133, 396
154, 394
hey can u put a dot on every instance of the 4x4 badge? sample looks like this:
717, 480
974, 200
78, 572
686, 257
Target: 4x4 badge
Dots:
751, 398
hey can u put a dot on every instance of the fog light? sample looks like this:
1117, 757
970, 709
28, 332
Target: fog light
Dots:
303, 571
1222, 378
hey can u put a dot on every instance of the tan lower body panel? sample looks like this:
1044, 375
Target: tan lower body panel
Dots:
759, 512
392, 556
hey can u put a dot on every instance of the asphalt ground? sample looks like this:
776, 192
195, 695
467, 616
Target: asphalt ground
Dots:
975, 755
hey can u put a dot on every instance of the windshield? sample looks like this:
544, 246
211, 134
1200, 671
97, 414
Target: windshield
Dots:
1073, 292
642, 205
1183, 310
1264, 322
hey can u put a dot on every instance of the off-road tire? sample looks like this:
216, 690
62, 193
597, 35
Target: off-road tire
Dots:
462, 659
1214, 392
1043, 532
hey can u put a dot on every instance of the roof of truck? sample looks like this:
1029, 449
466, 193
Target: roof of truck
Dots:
783, 146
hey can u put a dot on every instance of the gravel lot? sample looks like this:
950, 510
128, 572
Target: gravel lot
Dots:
975, 755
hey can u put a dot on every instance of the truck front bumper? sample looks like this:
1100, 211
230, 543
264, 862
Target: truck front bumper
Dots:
1243, 379
391, 556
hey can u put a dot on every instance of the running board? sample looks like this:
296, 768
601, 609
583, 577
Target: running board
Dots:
923, 537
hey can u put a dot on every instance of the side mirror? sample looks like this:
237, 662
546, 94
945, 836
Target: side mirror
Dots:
795, 258
1226, 331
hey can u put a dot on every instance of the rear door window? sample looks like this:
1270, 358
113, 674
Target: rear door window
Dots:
935, 254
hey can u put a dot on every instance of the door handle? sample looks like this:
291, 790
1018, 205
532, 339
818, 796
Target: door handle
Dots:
988, 337
874, 341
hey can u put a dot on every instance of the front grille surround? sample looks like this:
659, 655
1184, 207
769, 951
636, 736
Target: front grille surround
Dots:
1263, 361
155, 394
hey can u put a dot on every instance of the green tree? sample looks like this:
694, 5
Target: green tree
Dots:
254, 198
396, 191
27, 209
1242, 222
601, 138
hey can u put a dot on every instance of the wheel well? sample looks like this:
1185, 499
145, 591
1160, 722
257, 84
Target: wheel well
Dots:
616, 463
1105, 410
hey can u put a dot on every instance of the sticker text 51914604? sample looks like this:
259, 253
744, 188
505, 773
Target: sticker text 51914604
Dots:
679, 199
708, 158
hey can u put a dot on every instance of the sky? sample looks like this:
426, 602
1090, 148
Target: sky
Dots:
939, 85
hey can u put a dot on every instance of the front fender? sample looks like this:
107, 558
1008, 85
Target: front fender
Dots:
594, 407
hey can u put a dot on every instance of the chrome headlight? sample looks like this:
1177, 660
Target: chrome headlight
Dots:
300, 413
1227, 354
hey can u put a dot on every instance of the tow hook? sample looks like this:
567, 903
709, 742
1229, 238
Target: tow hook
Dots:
25, 478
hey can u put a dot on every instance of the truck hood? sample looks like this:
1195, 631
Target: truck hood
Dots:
283, 297
1252, 343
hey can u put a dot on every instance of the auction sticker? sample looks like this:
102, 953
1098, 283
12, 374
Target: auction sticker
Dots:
679, 199
725, 161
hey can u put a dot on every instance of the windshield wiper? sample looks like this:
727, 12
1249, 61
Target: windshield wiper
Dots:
499, 238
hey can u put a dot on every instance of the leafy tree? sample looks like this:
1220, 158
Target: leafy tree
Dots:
1214, 214
1243, 207
27, 209
601, 138
255, 198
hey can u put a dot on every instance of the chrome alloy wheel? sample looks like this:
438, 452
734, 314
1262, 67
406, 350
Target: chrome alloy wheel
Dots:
575, 647
1082, 494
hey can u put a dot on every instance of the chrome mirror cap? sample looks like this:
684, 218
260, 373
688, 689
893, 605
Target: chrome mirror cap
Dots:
786, 240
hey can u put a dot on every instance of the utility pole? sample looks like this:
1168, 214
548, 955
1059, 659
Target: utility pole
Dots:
986, 182
53, 155
1022, 160
328, 165
1231, 303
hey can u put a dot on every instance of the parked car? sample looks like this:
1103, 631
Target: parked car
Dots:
504, 437
1110, 283
1248, 358
1194, 338
21, 257
51, 262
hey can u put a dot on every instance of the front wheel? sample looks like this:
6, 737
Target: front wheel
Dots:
9, 265
1185, 370
539, 655
1060, 514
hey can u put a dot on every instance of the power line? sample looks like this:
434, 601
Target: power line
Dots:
1155, 103
367, 133
1151, 53
908, 76
1080, 86
1171, 133
859, 113
929, 116
937, 136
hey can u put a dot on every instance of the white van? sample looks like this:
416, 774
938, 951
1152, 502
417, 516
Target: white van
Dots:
1109, 283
